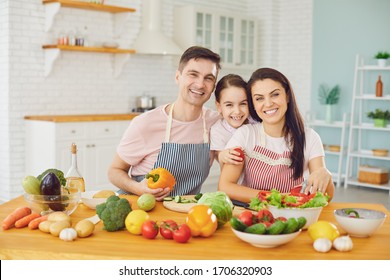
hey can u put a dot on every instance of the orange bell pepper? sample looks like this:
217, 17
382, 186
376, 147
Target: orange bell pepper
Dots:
160, 178
201, 220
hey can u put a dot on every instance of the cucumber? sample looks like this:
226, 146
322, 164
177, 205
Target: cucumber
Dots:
168, 198
237, 224
177, 199
291, 226
301, 222
258, 228
276, 228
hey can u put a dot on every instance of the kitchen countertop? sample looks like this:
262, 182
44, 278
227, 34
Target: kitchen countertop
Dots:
82, 118
33, 244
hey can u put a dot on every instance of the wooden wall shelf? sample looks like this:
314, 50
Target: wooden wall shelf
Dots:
52, 52
89, 6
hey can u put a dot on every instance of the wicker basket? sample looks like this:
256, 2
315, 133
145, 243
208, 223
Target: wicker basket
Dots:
373, 175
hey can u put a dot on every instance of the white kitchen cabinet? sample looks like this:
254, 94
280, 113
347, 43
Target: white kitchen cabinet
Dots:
338, 139
232, 36
48, 146
363, 135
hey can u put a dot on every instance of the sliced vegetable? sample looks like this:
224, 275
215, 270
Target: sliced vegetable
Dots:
352, 211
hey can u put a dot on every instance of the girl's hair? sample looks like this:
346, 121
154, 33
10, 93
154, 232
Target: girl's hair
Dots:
230, 80
294, 129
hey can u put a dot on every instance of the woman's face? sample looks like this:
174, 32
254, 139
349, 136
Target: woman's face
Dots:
270, 101
233, 106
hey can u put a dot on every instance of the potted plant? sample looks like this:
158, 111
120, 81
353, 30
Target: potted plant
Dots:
380, 117
382, 57
329, 97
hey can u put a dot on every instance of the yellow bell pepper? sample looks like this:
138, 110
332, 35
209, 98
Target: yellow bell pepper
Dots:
160, 178
202, 221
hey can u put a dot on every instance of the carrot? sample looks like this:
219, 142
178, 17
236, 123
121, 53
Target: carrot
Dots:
17, 214
34, 224
23, 222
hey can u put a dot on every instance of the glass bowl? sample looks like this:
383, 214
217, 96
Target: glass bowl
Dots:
45, 204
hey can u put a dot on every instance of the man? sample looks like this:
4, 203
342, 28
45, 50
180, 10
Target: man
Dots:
174, 136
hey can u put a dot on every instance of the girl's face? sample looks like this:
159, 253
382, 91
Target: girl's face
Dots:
233, 106
270, 101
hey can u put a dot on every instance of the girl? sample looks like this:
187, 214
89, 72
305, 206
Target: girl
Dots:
279, 150
232, 104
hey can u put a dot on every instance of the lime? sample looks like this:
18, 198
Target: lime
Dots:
134, 221
146, 202
31, 185
323, 229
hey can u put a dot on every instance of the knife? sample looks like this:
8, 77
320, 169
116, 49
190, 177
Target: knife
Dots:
241, 204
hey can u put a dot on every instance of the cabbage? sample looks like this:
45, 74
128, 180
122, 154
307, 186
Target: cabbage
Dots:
221, 205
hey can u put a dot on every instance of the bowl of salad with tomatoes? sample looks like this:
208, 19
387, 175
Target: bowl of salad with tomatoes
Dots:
291, 205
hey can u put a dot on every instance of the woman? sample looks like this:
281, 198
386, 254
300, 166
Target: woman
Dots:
279, 150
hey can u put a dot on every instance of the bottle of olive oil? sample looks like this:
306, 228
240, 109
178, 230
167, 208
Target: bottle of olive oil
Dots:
74, 180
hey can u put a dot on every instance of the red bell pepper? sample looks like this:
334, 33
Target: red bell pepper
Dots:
263, 195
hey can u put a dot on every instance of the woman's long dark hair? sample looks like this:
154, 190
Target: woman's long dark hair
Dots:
294, 129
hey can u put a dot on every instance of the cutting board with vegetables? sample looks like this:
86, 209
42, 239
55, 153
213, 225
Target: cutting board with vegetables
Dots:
184, 207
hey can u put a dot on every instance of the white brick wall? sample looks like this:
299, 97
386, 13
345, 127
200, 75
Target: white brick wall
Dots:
83, 83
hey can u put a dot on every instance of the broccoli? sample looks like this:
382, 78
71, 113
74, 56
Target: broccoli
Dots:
113, 212
58, 173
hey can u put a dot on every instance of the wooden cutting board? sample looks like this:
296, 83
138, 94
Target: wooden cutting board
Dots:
185, 207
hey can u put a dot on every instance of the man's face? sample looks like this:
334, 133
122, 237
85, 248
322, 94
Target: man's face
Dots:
197, 81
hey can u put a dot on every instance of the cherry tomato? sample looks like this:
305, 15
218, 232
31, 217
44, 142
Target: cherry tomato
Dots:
242, 155
166, 229
247, 217
182, 234
149, 229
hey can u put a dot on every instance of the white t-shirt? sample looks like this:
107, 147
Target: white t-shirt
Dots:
141, 142
220, 135
248, 136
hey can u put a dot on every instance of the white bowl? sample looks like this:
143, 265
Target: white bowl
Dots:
88, 200
266, 240
311, 214
368, 222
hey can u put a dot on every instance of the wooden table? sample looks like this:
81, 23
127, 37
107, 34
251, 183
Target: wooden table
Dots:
25, 244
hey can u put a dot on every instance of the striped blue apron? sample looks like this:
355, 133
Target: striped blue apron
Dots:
189, 163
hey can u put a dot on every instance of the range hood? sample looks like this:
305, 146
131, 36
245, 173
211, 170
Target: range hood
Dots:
151, 39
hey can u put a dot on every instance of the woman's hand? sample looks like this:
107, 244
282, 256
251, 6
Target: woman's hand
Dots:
318, 181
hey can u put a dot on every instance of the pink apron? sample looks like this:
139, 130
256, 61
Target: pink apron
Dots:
267, 170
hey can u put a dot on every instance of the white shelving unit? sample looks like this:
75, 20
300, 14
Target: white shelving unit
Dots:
337, 174
363, 134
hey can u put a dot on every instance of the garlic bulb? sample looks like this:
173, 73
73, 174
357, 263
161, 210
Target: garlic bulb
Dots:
343, 243
68, 234
322, 245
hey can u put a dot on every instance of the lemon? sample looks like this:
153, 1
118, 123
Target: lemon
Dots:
134, 221
323, 229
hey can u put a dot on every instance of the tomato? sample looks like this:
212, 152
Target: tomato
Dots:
247, 218
283, 219
166, 229
241, 155
182, 234
149, 229
265, 215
